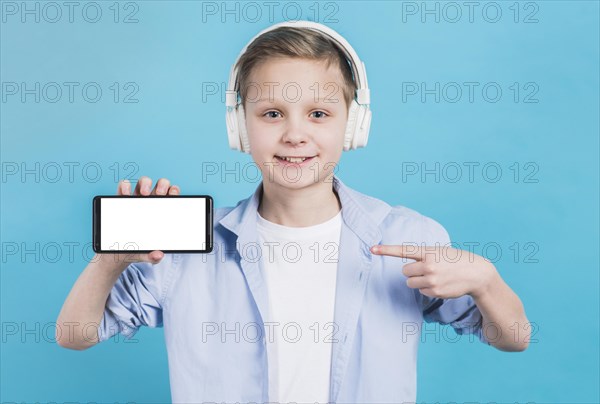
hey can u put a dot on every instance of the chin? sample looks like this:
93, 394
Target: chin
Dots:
308, 179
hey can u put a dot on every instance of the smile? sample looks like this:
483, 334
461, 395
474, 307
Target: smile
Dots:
294, 160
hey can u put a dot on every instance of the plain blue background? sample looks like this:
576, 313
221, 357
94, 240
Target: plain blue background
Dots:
173, 50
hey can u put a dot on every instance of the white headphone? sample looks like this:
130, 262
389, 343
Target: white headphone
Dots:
359, 114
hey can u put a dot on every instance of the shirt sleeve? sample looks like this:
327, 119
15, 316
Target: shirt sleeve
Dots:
136, 299
460, 313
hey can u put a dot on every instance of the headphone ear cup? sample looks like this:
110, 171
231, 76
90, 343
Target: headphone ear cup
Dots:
232, 128
349, 135
363, 125
245, 143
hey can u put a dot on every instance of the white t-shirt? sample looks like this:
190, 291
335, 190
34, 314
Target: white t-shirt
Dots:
300, 268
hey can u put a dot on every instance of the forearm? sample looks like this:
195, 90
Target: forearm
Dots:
82, 311
504, 321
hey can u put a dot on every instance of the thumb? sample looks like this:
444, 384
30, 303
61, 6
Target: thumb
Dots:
156, 256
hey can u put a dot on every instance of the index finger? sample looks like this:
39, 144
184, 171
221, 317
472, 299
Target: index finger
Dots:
402, 251
124, 188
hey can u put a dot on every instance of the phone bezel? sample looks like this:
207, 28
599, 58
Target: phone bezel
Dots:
96, 207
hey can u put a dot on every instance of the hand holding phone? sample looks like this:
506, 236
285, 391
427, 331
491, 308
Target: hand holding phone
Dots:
143, 188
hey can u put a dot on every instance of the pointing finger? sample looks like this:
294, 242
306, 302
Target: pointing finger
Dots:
402, 251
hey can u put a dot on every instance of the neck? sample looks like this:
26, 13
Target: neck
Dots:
303, 207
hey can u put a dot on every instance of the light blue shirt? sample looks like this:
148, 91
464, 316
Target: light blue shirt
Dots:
212, 307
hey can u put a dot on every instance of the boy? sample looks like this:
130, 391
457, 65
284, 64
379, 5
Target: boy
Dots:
307, 296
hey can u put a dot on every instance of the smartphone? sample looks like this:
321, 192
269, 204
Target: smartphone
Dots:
171, 224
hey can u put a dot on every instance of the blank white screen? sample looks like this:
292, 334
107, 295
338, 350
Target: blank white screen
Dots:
153, 224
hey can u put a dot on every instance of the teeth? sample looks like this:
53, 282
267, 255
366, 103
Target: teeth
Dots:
294, 159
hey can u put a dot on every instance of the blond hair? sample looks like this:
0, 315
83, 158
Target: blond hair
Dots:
299, 43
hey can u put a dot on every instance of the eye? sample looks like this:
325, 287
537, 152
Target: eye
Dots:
320, 112
271, 112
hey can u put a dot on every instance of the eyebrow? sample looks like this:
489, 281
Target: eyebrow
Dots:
318, 100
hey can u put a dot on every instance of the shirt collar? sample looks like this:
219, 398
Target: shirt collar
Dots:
361, 213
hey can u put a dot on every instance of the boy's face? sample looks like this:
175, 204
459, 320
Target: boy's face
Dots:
295, 108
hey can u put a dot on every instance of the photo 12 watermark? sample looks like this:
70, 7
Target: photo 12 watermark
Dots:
254, 12
53, 172
470, 172
70, 12
470, 92
453, 12
291, 92
70, 92
251, 172
22, 332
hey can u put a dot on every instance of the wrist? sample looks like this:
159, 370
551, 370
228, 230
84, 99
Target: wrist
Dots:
490, 278
110, 263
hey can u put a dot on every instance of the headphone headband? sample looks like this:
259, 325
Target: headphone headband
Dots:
362, 92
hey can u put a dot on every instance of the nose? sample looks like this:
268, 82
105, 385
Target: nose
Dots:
295, 131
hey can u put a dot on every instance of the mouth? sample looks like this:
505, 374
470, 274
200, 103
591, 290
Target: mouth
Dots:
294, 160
